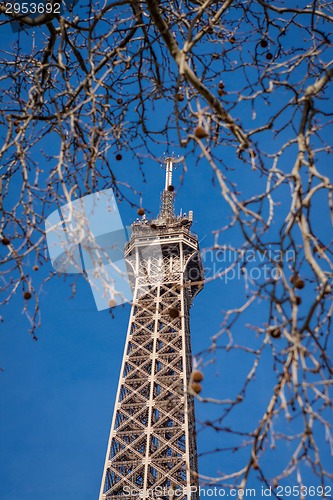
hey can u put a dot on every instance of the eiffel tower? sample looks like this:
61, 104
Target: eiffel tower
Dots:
152, 446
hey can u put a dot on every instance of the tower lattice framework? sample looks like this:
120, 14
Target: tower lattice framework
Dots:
152, 445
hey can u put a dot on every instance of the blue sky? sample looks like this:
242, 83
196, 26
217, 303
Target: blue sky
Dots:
57, 394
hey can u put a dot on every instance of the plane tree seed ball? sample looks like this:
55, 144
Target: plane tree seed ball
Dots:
180, 97
27, 295
35, 268
299, 283
197, 376
171, 188
5, 241
141, 211
275, 332
269, 56
264, 43
200, 132
119, 157
196, 387
173, 312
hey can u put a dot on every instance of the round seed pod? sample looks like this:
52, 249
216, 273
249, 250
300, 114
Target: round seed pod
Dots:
27, 295
264, 43
112, 303
200, 132
141, 211
173, 313
299, 283
232, 39
171, 188
119, 100
298, 299
180, 97
153, 226
5, 241
119, 157
275, 332
197, 376
221, 85
221, 92
269, 56
196, 387
35, 268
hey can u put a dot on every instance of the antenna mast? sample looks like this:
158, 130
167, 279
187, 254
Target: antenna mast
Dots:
168, 172
167, 207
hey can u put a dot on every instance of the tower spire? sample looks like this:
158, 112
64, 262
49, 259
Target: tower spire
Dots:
167, 211
168, 172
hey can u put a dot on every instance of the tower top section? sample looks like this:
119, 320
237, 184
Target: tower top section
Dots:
166, 220
166, 236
